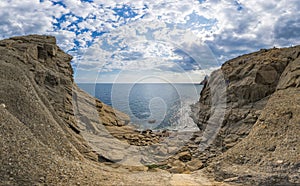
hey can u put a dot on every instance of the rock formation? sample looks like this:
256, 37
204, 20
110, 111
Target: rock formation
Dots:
258, 142
48, 125
39, 134
53, 133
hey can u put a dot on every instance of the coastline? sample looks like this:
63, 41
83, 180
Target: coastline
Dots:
54, 133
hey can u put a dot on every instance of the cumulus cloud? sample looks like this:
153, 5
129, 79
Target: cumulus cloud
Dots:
160, 35
23, 17
149, 46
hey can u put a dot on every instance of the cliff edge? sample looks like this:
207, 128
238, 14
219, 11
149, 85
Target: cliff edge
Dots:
40, 137
258, 142
56, 134
53, 133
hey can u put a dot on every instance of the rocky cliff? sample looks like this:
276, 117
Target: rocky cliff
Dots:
40, 138
53, 133
258, 139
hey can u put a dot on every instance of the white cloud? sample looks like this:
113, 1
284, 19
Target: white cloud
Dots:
23, 17
143, 76
79, 8
230, 28
65, 38
148, 46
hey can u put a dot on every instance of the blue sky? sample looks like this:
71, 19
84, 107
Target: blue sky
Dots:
154, 41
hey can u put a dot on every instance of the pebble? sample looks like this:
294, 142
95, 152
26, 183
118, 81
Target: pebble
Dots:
176, 170
3, 105
231, 179
194, 165
279, 161
172, 150
42, 179
184, 156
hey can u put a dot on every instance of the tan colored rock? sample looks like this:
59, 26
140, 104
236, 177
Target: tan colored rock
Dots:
262, 110
194, 165
177, 170
52, 133
172, 150
46, 117
176, 163
184, 156
3, 105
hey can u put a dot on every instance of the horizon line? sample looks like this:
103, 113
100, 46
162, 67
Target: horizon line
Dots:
197, 83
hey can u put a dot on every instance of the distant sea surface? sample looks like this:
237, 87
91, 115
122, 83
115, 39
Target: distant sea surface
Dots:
151, 105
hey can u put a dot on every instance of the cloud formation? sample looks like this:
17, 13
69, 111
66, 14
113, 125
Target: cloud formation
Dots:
174, 36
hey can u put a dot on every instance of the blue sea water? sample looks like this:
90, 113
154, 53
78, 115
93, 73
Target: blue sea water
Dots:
150, 105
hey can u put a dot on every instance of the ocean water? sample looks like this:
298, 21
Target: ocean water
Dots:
152, 106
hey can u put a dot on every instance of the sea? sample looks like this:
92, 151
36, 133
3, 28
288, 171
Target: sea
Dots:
155, 106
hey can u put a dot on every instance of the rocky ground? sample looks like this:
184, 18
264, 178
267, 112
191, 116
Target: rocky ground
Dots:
119, 143
259, 137
53, 133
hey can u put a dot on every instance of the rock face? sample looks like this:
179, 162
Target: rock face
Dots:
38, 124
53, 133
261, 121
41, 141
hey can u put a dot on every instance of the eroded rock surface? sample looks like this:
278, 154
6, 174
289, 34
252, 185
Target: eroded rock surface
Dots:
48, 125
261, 121
53, 133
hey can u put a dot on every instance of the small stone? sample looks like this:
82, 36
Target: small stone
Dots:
42, 179
177, 163
162, 151
176, 170
279, 161
185, 156
172, 150
272, 148
136, 168
229, 145
198, 140
2, 105
233, 179
194, 165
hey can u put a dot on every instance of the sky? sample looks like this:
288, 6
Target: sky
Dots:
153, 41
